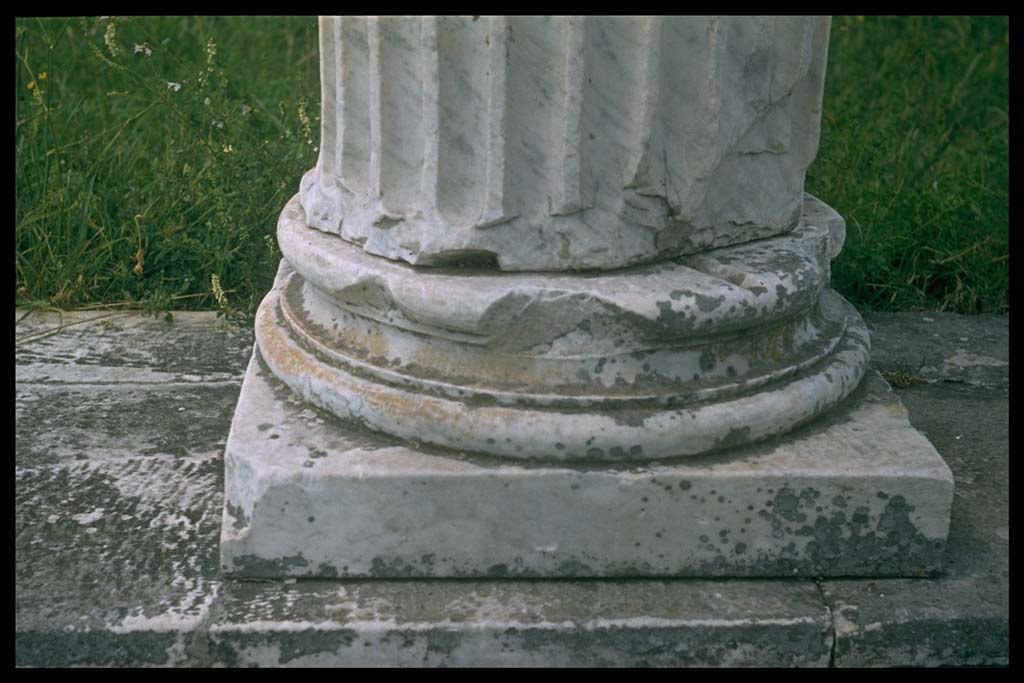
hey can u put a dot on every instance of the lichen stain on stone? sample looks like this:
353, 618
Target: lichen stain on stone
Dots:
610, 646
787, 503
326, 570
757, 290
393, 568
240, 519
841, 545
781, 295
706, 304
574, 568
94, 648
734, 437
441, 644
311, 642
669, 317
629, 417
254, 566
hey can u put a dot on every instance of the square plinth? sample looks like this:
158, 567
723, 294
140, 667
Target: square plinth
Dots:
858, 492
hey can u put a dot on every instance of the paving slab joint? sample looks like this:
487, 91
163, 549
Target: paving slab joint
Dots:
831, 620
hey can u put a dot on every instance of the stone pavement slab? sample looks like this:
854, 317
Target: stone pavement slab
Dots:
121, 423
521, 623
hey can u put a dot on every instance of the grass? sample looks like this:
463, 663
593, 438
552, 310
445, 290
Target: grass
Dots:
153, 155
915, 155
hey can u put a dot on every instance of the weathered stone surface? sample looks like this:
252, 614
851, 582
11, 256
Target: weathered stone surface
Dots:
116, 555
727, 347
730, 289
961, 349
964, 618
558, 143
860, 492
73, 587
119, 432
84, 347
517, 623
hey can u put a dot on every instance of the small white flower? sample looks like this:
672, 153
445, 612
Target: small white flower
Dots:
207, 101
173, 86
144, 48
228, 149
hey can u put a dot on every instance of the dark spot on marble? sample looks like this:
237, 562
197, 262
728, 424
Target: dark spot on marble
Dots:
707, 362
240, 519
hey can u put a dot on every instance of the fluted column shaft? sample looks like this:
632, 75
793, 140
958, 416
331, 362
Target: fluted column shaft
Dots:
566, 143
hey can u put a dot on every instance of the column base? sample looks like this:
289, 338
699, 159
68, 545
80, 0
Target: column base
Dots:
730, 347
858, 492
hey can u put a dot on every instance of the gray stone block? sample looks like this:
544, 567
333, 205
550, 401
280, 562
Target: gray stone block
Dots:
860, 492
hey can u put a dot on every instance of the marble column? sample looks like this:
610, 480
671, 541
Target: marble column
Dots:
566, 238
555, 243
556, 144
